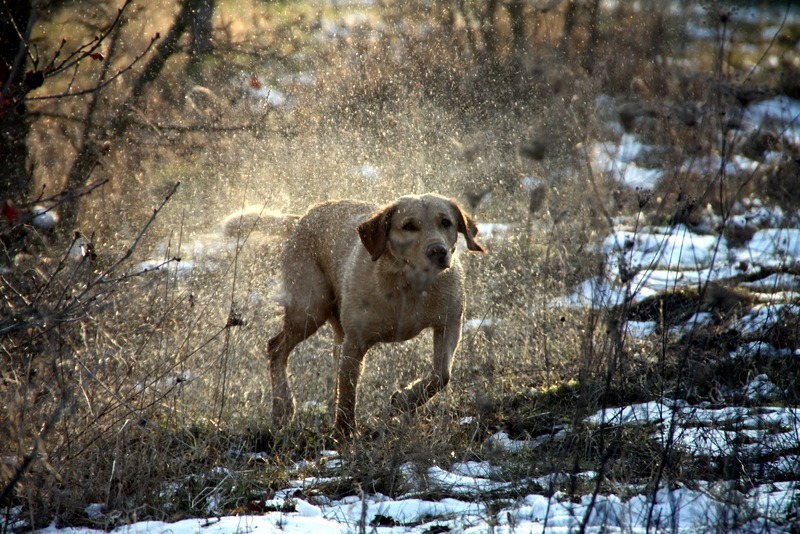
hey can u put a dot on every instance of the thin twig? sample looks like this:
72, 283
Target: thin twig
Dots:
135, 242
19, 59
87, 49
101, 85
34, 452
250, 126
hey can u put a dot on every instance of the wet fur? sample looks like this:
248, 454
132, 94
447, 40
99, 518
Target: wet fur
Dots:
376, 274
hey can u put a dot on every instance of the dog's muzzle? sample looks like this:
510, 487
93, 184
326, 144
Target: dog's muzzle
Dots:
438, 254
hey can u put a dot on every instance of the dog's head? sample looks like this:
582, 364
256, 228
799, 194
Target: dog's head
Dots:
420, 233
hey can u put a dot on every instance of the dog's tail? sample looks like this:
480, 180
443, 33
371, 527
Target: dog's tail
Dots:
258, 219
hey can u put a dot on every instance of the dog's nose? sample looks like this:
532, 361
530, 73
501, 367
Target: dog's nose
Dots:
437, 252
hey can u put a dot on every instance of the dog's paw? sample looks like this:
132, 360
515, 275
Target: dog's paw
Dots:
399, 403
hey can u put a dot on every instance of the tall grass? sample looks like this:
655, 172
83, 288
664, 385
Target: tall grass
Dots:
147, 390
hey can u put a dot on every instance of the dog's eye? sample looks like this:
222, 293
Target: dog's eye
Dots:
410, 227
447, 223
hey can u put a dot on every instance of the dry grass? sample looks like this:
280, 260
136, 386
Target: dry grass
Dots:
148, 386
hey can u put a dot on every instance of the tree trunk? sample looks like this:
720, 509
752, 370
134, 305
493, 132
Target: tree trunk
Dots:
594, 36
202, 28
89, 153
516, 12
15, 183
489, 30
569, 25
201, 33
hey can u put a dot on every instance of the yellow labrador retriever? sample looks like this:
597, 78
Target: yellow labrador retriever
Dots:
376, 275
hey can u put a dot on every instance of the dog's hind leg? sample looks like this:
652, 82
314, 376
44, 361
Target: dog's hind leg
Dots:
299, 323
278, 350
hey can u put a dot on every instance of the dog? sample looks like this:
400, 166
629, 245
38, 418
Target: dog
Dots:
377, 275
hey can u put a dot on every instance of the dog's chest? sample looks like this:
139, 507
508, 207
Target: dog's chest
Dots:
392, 315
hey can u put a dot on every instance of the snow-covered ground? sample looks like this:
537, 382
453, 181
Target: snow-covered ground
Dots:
707, 507
642, 260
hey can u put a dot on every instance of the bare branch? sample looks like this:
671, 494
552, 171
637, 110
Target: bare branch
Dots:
19, 59
163, 51
135, 242
102, 84
86, 50
254, 125
5, 496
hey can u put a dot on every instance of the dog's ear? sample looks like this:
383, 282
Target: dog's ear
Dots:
374, 232
467, 227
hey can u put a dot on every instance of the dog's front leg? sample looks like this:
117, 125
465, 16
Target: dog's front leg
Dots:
445, 341
350, 363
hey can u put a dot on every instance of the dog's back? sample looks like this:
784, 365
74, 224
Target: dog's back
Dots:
319, 241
